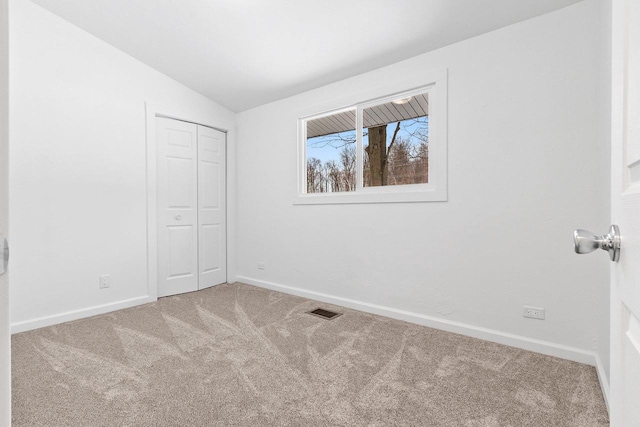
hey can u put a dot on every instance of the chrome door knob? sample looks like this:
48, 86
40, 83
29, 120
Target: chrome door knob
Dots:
586, 242
4, 254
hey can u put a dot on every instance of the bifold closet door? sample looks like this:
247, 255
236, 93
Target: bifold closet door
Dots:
212, 236
192, 238
177, 192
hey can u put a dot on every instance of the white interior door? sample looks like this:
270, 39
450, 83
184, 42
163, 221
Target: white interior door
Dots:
177, 169
625, 191
5, 338
212, 207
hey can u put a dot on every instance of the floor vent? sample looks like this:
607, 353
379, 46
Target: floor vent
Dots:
325, 314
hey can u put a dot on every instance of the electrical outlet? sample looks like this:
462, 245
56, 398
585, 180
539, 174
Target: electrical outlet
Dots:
105, 281
533, 312
261, 266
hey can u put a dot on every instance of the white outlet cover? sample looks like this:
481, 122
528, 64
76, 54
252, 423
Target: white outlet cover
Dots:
533, 312
104, 282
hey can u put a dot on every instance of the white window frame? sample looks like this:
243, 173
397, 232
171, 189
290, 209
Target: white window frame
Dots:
433, 191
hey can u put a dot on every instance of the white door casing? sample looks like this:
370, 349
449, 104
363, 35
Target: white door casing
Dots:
212, 235
177, 152
625, 211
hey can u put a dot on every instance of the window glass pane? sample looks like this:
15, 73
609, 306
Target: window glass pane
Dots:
396, 142
331, 153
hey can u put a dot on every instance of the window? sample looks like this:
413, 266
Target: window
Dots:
395, 140
331, 153
390, 149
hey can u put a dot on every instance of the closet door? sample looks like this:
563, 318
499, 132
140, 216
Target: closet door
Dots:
177, 151
212, 207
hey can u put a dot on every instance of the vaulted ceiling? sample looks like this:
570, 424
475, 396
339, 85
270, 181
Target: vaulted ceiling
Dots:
245, 53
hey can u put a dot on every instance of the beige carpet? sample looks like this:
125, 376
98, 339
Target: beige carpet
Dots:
236, 355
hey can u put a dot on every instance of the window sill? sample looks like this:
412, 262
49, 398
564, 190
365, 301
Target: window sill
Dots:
371, 197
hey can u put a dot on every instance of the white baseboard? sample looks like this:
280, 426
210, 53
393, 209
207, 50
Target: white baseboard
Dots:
55, 319
604, 380
518, 341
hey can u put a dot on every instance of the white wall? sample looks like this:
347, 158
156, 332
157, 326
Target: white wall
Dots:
78, 167
5, 342
528, 163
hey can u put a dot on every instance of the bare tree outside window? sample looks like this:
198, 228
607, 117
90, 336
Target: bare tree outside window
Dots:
331, 153
333, 175
396, 152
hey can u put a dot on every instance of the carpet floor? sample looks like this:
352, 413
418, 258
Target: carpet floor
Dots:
237, 355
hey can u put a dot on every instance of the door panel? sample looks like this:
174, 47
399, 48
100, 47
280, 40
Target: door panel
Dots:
180, 183
629, 356
180, 138
212, 209
210, 193
210, 248
181, 243
177, 206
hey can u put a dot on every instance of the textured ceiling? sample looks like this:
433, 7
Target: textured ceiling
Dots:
245, 53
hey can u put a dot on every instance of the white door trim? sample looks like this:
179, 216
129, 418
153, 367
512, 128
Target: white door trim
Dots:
151, 112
